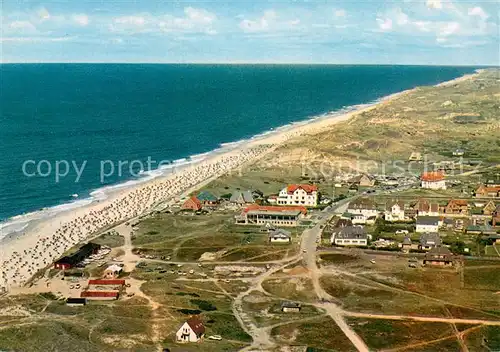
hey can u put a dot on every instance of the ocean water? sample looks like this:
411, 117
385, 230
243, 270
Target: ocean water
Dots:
58, 115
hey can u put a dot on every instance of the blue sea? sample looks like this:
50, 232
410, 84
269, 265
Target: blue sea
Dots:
58, 115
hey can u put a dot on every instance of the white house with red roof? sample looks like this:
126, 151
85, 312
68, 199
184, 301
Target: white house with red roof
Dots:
192, 330
433, 180
301, 194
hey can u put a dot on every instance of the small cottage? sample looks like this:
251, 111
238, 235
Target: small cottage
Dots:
112, 271
192, 330
290, 307
280, 236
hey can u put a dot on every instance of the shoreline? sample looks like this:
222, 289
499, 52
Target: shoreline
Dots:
44, 240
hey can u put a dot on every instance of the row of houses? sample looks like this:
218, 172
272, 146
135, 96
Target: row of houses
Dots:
305, 195
209, 200
365, 210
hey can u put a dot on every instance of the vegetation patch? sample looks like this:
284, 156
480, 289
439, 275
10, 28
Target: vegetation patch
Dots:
384, 334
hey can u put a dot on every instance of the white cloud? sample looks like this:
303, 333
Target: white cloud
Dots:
81, 19
423, 26
269, 22
401, 18
194, 21
199, 15
43, 14
261, 24
434, 4
131, 20
37, 39
23, 26
479, 12
340, 13
384, 24
448, 29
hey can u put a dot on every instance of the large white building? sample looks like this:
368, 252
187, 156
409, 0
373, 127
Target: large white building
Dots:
350, 236
305, 195
427, 224
363, 206
433, 180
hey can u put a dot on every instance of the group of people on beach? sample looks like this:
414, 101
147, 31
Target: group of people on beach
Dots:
20, 265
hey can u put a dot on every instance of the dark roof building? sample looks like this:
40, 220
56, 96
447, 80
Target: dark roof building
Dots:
429, 240
245, 197
76, 301
79, 255
206, 197
428, 220
196, 325
439, 255
351, 232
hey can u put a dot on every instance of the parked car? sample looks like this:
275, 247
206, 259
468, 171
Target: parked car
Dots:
402, 232
215, 337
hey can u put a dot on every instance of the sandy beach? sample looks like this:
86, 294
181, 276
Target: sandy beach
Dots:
22, 256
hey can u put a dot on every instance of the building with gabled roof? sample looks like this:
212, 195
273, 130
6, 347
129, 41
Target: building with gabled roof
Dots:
363, 180
207, 198
427, 224
299, 194
439, 255
193, 330
349, 236
496, 216
433, 180
362, 209
192, 203
458, 207
280, 236
395, 211
245, 197
486, 191
429, 240
425, 208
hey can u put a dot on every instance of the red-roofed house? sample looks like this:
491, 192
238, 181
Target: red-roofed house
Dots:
305, 195
457, 207
192, 203
433, 180
192, 330
488, 192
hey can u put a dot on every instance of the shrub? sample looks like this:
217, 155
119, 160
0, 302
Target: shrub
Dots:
203, 305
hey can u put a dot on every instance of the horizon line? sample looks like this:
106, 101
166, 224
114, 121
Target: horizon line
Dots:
244, 63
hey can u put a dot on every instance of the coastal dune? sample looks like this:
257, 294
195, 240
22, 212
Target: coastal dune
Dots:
22, 256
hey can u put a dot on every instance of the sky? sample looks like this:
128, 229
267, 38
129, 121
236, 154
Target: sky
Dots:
426, 32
